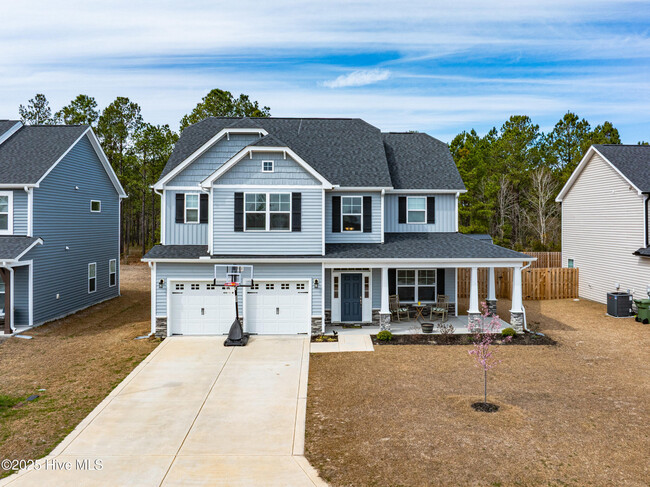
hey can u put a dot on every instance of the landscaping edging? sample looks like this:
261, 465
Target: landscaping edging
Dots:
462, 339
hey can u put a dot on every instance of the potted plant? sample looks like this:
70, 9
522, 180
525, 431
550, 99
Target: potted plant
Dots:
427, 327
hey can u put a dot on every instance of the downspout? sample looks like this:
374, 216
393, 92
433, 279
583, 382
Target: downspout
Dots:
162, 216
11, 296
645, 221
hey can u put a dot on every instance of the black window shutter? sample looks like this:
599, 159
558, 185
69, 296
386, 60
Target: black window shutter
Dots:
296, 212
204, 208
440, 282
239, 212
180, 207
402, 209
392, 281
367, 214
431, 209
336, 214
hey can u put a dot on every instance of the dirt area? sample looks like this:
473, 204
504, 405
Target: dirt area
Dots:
576, 413
78, 360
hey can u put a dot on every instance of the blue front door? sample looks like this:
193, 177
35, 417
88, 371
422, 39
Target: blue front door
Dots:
351, 297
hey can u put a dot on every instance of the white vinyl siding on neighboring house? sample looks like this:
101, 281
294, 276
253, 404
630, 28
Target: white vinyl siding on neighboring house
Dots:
602, 225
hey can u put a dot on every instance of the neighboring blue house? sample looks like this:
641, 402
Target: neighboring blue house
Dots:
335, 216
59, 223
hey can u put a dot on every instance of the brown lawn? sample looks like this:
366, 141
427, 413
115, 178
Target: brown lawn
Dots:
78, 360
573, 414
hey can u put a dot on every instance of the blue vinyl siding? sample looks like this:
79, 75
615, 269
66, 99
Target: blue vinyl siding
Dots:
212, 159
351, 237
21, 295
62, 218
306, 242
285, 172
182, 233
261, 272
376, 288
21, 212
445, 215
328, 289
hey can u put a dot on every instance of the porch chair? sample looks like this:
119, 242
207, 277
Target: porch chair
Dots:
441, 308
396, 311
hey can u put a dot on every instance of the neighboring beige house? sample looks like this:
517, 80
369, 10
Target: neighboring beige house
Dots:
605, 221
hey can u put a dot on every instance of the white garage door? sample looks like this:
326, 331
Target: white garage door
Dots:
201, 308
278, 307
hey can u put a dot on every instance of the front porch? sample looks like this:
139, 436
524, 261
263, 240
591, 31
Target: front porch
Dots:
404, 327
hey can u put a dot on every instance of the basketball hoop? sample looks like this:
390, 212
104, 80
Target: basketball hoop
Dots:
234, 276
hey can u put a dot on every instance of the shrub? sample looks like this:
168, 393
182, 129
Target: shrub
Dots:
384, 336
508, 332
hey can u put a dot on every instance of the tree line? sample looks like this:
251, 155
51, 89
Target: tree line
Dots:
137, 150
512, 173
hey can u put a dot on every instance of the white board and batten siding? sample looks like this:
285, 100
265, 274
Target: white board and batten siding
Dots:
602, 225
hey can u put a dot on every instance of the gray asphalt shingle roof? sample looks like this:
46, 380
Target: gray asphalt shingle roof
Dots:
12, 246
418, 161
643, 252
431, 245
345, 151
632, 160
6, 125
27, 155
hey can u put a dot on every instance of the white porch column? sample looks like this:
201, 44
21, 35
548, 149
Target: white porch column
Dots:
473, 310
384, 312
491, 300
517, 310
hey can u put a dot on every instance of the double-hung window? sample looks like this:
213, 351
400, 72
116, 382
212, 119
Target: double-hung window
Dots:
416, 207
415, 285
92, 277
6, 212
351, 213
191, 208
268, 211
112, 272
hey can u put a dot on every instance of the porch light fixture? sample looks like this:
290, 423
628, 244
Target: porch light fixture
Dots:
161, 284
316, 285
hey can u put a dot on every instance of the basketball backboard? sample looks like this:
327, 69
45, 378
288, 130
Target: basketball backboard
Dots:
234, 275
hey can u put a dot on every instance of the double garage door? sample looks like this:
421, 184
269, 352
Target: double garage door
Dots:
270, 307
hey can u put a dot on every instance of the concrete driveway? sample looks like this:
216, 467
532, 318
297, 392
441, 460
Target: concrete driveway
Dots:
194, 413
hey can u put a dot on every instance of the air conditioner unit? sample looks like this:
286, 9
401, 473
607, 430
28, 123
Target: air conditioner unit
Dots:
619, 304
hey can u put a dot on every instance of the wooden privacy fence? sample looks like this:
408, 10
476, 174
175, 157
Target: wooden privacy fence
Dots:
541, 283
546, 259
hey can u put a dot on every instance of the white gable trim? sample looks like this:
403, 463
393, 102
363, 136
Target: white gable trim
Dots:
578, 170
201, 150
100, 154
248, 151
4, 136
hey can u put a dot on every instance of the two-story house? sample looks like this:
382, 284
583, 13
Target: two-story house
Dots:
605, 221
59, 223
334, 215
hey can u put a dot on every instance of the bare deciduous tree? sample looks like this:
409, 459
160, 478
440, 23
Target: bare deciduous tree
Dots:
505, 206
542, 217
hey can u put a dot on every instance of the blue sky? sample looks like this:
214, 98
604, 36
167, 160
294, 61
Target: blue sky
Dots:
437, 67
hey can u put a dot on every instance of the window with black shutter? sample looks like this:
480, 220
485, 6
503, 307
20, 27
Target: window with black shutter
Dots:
296, 212
180, 207
431, 209
367, 214
239, 212
336, 214
402, 209
204, 209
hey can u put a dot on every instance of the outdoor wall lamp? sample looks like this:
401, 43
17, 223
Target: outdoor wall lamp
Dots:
161, 284
315, 283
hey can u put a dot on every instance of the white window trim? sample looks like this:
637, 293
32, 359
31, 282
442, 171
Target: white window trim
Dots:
416, 285
110, 273
268, 212
272, 166
91, 206
10, 215
89, 278
343, 230
198, 208
408, 198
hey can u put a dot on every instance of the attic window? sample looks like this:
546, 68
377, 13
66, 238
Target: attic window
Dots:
267, 166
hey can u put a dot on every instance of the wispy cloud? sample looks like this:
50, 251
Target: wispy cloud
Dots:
360, 77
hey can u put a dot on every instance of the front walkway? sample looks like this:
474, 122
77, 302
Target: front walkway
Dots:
405, 327
194, 413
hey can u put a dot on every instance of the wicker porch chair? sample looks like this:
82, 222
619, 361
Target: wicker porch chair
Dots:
397, 311
441, 308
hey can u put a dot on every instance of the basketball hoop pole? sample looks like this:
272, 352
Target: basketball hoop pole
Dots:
233, 273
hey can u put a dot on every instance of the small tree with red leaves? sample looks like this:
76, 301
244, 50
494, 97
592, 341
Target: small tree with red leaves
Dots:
485, 329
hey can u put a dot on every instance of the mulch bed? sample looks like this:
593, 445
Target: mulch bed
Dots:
324, 338
461, 339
